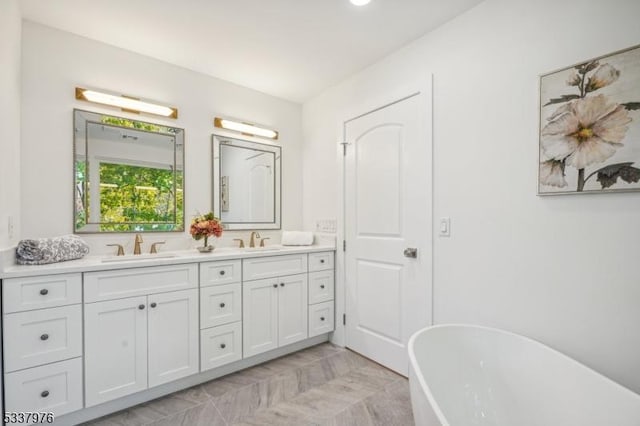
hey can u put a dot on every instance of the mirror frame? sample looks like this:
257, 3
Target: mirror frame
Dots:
223, 139
179, 140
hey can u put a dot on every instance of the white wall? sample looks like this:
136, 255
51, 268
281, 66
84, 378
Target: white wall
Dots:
10, 35
563, 270
55, 62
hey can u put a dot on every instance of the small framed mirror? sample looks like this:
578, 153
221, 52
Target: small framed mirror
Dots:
129, 175
246, 183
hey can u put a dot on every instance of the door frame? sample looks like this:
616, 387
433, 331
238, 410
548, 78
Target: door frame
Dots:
353, 110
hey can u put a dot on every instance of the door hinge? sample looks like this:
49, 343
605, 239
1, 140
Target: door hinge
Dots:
344, 245
344, 148
344, 319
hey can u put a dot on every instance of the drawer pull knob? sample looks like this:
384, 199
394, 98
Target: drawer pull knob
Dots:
141, 307
322, 286
222, 345
222, 272
44, 292
44, 394
154, 304
281, 284
321, 260
321, 318
222, 305
44, 337
275, 286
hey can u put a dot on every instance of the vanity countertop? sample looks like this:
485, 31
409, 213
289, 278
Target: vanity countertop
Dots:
105, 263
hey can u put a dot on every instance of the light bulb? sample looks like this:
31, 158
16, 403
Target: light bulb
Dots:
359, 2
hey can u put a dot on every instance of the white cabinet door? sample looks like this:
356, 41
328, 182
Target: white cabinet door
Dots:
220, 304
292, 309
220, 345
173, 336
260, 316
115, 349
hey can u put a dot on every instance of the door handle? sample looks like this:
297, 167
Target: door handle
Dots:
411, 252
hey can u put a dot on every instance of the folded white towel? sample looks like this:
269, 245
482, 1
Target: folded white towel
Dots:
297, 238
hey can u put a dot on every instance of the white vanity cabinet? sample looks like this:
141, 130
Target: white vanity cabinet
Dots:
275, 304
42, 333
75, 339
321, 293
220, 313
134, 343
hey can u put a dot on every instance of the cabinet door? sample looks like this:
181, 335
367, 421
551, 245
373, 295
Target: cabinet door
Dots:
115, 349
173, 336
292, 309
259, 316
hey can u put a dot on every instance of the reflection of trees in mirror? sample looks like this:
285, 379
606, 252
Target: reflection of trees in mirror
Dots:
140, 125
141, 195
130, 195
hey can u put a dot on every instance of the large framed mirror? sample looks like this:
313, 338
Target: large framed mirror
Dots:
246, 183
129, 175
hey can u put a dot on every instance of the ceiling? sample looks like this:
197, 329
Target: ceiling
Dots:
292, 49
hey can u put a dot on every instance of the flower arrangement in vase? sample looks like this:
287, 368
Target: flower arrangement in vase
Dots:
203, 227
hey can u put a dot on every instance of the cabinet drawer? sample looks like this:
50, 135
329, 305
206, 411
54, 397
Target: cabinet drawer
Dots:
220, 345
273, 266
321, 261
320, 287
220, 305
321, 318
108, 285
53, 388
223, 272
42, 336
25, 294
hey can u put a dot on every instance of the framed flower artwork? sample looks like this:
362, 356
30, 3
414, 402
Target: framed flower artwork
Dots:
590, 126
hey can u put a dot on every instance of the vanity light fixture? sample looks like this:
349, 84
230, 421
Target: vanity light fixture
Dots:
245, 128
126, 103
360, 2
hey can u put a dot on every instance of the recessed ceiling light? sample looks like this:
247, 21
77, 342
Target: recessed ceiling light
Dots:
359, 2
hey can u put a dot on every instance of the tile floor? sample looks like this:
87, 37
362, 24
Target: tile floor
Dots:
324, 385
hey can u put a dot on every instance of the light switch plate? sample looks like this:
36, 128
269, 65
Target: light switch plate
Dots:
445, 227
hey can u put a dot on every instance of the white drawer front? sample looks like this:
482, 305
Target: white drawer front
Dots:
53, 388
118, 284
320, 286
42, 336
220, 345
25, 294
223, 272
220, 305
321, 318
273, 266
321, 261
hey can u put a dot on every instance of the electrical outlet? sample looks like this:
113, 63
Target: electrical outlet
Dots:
10, 227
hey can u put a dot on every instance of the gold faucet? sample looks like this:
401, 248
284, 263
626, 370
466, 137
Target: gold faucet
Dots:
136, 247
252, 239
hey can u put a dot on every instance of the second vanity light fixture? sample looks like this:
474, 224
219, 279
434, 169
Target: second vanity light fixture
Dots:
124, 102
245, 128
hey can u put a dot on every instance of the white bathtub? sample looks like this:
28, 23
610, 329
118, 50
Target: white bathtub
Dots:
462, 375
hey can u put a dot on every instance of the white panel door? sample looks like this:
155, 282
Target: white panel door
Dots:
259, 316
387, 211
173, 336
115, 336
292, 309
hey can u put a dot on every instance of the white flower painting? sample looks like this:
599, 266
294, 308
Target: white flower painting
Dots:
590, 126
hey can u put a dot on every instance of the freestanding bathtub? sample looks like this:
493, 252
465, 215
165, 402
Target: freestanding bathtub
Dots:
463, 375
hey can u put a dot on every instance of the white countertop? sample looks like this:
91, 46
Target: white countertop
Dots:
97, 263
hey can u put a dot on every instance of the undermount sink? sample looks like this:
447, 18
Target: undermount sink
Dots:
136, 257
268, 248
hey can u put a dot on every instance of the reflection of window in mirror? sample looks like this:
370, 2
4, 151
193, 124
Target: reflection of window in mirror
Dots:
129, 175
246, 183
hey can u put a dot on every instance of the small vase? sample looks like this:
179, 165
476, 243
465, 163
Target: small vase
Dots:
205, 249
